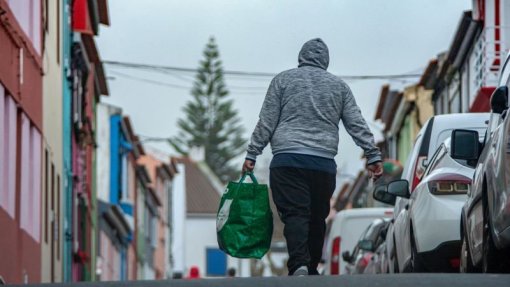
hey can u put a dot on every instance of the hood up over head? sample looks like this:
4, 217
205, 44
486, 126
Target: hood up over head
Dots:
314, 53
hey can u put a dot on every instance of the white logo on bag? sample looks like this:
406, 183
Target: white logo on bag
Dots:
223, 214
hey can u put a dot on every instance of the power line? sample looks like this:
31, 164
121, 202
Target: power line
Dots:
140, 79
242, 90
166, 69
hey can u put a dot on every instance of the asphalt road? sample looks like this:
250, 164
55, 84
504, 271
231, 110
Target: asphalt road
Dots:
399, 280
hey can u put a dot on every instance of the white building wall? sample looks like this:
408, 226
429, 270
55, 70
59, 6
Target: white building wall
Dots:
201, 234
104, 111
169, 232
103, 152
178, 220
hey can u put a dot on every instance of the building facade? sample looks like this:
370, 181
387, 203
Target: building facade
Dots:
88, 83
161, 172
52, 167
469, 72
21, 125
115, 193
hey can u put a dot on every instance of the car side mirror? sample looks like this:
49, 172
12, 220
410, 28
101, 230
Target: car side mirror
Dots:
465, 145
346, 256
384, 232
399, 188
382, 195
366, 245
499, 100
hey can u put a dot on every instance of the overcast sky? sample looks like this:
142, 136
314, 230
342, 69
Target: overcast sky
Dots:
364, 37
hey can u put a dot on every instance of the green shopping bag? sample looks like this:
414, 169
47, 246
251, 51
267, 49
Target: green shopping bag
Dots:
244, 222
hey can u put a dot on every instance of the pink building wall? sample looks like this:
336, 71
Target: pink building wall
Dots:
7, 153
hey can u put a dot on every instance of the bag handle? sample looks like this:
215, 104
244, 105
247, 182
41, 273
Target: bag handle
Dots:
252, 176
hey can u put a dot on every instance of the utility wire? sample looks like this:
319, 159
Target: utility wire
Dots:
140, 79
164, 69
242, 90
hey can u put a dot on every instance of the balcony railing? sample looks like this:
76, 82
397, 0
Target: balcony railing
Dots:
489, 56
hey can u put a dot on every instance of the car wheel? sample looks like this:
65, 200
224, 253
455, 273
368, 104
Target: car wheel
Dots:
466, 263
417, 265
490, 261
395, 257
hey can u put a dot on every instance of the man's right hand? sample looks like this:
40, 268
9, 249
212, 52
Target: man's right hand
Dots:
248, 165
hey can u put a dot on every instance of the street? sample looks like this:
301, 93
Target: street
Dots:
400, 280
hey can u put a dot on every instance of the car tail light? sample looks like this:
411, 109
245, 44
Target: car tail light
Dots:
419, 169
455, 263
449, 184
335, 256
365, 260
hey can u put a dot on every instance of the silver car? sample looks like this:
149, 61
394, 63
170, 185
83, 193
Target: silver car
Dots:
485, 223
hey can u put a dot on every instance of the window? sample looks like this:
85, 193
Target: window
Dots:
151, 221
216, 262
8, 124
455, 104
435, 159
28, 14
30, 178
125, 179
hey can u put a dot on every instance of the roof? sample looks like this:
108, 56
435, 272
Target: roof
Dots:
382, 99
93, 55
201, 195
463, 39
104, 17
387, 107
428, 76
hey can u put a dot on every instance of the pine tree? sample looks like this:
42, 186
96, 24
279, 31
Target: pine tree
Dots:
211, 121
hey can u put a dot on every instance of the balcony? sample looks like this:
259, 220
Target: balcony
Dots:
486, 59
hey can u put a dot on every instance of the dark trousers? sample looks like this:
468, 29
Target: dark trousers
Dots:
302, 198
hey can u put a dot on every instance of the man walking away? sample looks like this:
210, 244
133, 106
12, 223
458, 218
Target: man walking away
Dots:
300, 116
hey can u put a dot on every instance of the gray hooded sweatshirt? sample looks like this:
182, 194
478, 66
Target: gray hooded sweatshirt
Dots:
303, 108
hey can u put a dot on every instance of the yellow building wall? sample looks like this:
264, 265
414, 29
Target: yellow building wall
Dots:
52, 178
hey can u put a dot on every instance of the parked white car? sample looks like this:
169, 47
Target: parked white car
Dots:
434, 132
346, 229
434, 212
